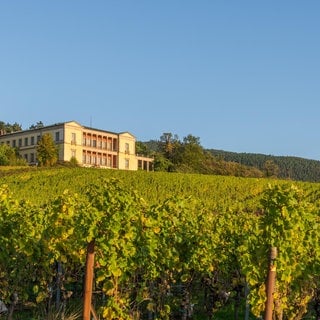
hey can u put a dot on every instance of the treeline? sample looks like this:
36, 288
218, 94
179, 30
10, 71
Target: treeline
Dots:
8, 128
283, 167
187, 155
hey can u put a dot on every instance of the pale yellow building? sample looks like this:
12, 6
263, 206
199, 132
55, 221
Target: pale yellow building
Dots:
90, 147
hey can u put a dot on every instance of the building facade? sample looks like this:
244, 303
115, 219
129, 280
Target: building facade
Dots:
90, 147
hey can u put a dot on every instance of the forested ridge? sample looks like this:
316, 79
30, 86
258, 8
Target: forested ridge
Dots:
286, 167
187, 155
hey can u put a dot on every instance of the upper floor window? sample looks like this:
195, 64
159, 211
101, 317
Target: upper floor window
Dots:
32, 141
13, 143
126, 148
57, 136
115, 145
25, 141
20, 142
73, 138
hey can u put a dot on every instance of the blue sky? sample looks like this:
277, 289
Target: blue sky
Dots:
242, 76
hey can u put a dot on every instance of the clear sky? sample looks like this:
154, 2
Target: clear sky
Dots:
242, 76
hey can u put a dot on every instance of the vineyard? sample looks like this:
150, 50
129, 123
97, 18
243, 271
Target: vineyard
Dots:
167, 246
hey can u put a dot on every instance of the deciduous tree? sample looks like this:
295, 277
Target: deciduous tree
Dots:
47, 151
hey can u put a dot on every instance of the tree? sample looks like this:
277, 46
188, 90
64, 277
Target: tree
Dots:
10, 157
169, 143
8, 128
38, 125
161, 163
142, 149
271, 169
193, 153
47, 151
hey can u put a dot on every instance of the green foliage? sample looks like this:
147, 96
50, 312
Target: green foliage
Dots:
47, 151
10, 157
271, 169
188, 156
293, 168
177, 241
290, 224
38, 125
8, 128
74, 162
161, 163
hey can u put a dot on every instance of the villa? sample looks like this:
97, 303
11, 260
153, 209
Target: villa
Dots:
90, 147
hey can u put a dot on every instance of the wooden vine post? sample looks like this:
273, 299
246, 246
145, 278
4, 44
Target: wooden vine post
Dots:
87, 296
271, 280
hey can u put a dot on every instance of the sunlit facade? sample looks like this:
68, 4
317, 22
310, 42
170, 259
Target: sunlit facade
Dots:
90, 147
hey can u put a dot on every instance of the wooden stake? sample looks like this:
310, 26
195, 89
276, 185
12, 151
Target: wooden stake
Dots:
87, 296
271, 280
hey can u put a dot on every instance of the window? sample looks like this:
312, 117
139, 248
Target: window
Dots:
32, 141
94, 143
57, 136
115, 144
73, 138
126, 148
73, 153
13, 143
32, 157
20, 142
25, 141
126, 165
38, 138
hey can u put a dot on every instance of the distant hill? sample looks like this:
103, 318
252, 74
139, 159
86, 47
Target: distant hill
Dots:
294, 168
191, 157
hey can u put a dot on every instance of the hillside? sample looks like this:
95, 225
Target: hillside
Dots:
157, 236
293, 168
188, 156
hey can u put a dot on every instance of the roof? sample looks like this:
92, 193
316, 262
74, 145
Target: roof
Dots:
63, 123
